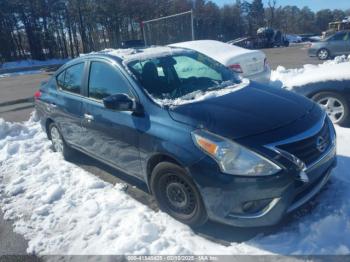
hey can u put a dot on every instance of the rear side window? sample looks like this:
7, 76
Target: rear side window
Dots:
70, 79
340, 37
105, 80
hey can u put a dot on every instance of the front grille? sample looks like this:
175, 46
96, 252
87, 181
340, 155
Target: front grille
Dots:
312, 148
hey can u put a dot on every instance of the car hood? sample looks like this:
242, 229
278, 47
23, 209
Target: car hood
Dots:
248, 111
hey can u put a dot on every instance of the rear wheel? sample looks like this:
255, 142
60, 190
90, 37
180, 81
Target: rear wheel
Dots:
58, 143
177, 195
323, 54
335, 106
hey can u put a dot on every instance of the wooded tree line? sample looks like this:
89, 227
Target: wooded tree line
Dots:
43, 29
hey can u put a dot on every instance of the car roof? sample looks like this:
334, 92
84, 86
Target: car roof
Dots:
131, 54
126, 55
342, 31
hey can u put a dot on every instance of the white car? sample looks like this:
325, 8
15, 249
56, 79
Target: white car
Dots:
250, 64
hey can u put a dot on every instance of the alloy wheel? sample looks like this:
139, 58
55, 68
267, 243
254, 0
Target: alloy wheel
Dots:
323, 54
333, 107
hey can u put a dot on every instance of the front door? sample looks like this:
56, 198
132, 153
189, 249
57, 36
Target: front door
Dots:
110, 135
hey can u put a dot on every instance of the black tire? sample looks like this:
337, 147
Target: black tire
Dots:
343, 120
323, 54
187, 205
66, 151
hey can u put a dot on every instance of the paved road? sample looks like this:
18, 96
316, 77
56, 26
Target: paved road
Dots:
16, 94
14, 106
291, 57
10, 242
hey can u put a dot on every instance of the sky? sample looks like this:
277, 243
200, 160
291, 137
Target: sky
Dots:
314, 5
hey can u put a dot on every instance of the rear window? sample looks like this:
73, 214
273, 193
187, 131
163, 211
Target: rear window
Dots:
70, 79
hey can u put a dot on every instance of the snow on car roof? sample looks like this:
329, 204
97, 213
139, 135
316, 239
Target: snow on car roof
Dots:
131, 54
220, 51
199, 95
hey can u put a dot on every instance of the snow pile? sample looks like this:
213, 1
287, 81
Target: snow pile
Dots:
62, 209
337, 69
199, 95
114, 52
132, 54
30, 63
316, 38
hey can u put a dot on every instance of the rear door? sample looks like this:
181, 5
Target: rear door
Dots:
111, 136
68, 105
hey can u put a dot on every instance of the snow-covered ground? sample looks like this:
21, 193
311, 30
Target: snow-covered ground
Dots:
62, 209
337, 69
30, 63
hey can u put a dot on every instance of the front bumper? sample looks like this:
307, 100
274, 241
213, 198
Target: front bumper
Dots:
225, 196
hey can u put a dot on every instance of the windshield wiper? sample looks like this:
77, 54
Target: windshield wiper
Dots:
222, 85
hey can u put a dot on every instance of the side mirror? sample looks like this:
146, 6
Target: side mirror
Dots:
121, 102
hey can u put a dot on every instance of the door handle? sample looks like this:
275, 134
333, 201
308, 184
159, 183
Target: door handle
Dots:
53, 105
88, 117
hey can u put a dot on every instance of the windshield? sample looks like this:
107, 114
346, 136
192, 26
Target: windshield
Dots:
176, 75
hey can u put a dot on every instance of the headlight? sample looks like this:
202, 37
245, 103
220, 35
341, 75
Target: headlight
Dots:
233, 158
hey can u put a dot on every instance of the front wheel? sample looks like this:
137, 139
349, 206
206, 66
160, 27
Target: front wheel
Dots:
177, 195
58, 143
323, 54
335, 106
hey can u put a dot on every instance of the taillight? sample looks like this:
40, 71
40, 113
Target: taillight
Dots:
237, 68
37, 94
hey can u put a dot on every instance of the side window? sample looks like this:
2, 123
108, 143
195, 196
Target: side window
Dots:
339, 37
71, 78
105, 80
